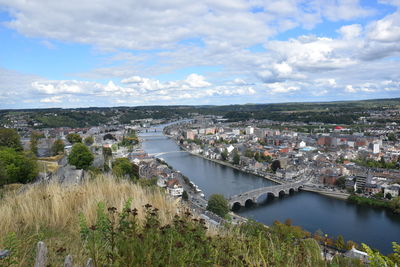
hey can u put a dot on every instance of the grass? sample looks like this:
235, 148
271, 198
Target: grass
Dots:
51, 213
119, 223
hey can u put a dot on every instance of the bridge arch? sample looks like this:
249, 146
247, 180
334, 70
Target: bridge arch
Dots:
236, 206
281, 193
265, 197
249, 202
291, 191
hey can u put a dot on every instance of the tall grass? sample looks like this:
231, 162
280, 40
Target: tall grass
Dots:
51, 211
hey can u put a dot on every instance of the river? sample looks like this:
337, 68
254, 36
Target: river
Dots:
375, 227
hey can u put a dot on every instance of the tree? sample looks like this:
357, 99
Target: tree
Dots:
224, 155
109, 137
123, 167
276, 164
185, 195
340, 182
388, 196
340, 242
89, 141
392, 137
57, 147
74, 138
80, 156
236, 158
10, 138
218, 204
17, 167
34, 141
350, 244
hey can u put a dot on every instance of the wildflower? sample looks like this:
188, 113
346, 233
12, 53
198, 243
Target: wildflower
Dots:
134, 212
112, 209
93, 227
147, 206
178, 244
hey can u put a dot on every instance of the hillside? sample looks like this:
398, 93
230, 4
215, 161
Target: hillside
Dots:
119, 223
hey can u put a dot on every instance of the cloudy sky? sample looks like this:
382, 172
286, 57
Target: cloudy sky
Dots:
137, 52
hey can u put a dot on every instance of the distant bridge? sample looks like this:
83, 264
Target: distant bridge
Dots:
252, 196
168, 152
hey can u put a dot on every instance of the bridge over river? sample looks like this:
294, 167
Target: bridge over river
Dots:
165, 153
252, 196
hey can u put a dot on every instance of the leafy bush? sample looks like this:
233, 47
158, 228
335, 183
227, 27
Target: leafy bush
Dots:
123, 167
218, 204
10, 138
17, 167
80, 156
74, 138
57, 147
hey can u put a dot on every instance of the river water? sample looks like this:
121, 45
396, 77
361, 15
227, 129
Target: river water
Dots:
375, 227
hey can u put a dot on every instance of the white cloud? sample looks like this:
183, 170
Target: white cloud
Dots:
275, 88
196, 81
350, 31
53, 99
386, 29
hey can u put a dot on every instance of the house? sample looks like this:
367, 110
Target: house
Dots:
357, 254
372, 189
393, 190
230, 148
174, 188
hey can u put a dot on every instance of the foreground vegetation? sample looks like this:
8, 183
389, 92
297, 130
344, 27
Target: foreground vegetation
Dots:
119, 223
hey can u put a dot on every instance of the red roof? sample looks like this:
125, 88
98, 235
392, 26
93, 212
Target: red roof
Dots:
338, 127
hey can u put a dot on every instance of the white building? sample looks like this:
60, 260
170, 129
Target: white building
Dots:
236, 131
249, 130
230, 148
375, 148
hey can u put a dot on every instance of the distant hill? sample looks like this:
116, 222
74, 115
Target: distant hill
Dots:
337, 112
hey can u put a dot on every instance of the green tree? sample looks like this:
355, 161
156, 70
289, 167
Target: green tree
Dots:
17, 167
276, 164
350, 244
236, 158
340, 242
185, 195
123, 167
35, 136
340, 182
10, 138
74, 138
392, 137
57, 147
218, 204
80, 156
395, 205
89, 141
224, 155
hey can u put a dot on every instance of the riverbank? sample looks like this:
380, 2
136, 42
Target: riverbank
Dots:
377, 203
338, 195
229, 165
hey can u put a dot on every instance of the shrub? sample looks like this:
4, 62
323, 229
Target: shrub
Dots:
74, 138
17, 167
80, 156
57, 147
218, 204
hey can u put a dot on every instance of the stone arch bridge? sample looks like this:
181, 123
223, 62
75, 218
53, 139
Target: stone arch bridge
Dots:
252, 196
168, 152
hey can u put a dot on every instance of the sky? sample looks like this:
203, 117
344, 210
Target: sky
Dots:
70, 53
